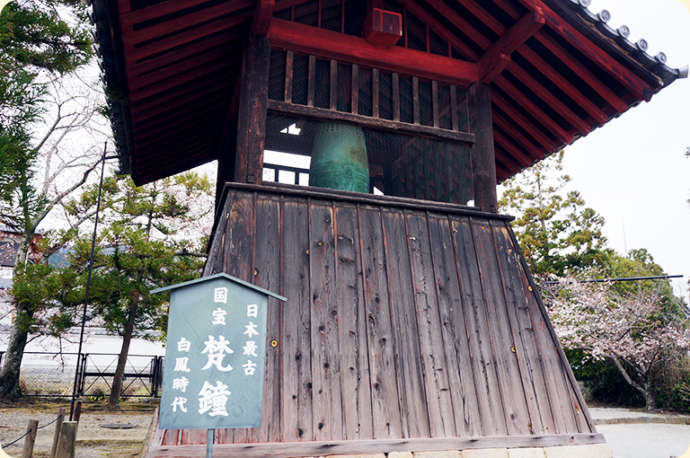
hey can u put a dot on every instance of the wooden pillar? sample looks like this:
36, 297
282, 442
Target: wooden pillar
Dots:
251, 119
483, 155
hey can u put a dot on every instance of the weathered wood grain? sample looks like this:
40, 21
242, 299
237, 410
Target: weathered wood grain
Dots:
454, 329
516, 297
351, 315
380, 446
489, 398
405, 320
296, 383
435, 371
325, 345
266, 274
503, 347
385, 384
409, 359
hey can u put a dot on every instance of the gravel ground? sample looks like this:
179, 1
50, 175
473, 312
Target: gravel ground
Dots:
92, 439
651, 440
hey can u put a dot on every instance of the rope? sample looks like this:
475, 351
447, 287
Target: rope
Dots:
15, 441
27, 432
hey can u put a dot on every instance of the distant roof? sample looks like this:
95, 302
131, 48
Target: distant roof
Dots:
170, 68
8, 252
219, 275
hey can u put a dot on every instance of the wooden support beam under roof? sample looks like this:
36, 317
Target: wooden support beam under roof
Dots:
333, 45
561, 53
422, 14
519, 98
497, 56
521, 120
132, 36
262, 16
633, 83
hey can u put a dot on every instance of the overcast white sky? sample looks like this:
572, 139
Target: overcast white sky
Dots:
634, 171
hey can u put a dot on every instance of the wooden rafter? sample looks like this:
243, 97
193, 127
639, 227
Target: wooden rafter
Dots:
196, 73
497, 56
132, 36
416, 9
512, 149
517, 117
634, 84
542, 117
155, 47
332, 45
262, 16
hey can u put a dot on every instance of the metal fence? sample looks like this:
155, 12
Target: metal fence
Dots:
51, 374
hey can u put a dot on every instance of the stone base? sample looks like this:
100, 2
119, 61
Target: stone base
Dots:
569, 451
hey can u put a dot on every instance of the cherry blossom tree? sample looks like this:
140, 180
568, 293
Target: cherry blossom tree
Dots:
630, 329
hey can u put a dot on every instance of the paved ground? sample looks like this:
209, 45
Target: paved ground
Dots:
646, 440
630, 433
615, 415
635, 433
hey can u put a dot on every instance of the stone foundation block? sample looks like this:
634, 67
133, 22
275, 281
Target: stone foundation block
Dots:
579, 451
444, 454
526, 453
486, 453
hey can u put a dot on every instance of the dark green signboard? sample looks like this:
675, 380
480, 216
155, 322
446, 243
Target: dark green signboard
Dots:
215, 353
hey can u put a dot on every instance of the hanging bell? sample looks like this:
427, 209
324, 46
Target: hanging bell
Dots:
339, 158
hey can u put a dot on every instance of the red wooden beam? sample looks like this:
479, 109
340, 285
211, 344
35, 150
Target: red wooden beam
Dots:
131, 37
226, 25
200, 72
523, 159
128, 17
179, 54
566, 57
166, 102
523, 122
497, 56
518, 137
633, 83
540, 91
583, 72
422, 14
461, 23
180, 68
262, 16
526, 102
333, 45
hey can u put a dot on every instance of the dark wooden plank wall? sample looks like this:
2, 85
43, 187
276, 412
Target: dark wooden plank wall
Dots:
401, 322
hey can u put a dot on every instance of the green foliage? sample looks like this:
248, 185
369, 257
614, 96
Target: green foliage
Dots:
36, 37
557, 232
139, 247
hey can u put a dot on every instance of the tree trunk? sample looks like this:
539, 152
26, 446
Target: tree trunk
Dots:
12, 360
114, 400
649, 401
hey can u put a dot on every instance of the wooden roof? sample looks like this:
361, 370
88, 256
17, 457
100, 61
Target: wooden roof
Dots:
170, 68
409, 325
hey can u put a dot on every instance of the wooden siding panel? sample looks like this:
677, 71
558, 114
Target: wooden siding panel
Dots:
455, 331
326, 392
354, 363
484, 366
384, 380
514, 403
296, 402
409, 360
435, 370
517, 298
400, 323
267, 274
